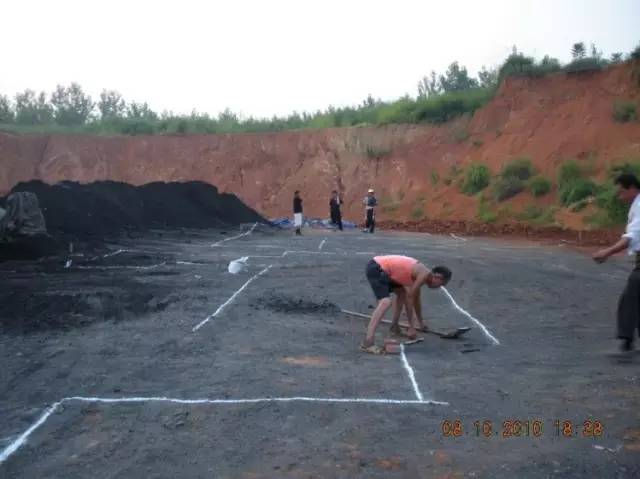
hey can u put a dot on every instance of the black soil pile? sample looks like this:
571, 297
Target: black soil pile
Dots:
284, 304
23, 311
107, 207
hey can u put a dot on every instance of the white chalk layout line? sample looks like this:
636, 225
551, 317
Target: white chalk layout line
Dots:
164, 263
22, 439
233, 296
468, 315
218, 243
108, 255
288, 252
122, 266
306, 252
250, 400
322, 243
410, 373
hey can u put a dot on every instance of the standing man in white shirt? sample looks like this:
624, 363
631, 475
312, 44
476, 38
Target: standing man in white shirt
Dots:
370, 202
297, 212
629, 303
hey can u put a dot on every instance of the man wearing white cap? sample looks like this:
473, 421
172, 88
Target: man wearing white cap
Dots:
370, 202
297, 212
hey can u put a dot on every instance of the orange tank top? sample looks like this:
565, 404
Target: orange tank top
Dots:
399, 268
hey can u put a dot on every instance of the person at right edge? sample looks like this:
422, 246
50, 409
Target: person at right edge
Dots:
628, 189
370, 203
297, 212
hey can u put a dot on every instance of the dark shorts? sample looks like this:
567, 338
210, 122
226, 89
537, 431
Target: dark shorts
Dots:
380, 282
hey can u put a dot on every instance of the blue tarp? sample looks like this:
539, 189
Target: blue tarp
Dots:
287, 223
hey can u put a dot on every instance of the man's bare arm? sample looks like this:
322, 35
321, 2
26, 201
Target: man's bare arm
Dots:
602, 255
417, 305
414, 293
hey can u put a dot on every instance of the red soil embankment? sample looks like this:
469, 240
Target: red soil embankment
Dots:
547, 119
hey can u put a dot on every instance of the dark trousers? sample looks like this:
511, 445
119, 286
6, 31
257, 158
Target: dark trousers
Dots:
629, 306
371, 221
336, 219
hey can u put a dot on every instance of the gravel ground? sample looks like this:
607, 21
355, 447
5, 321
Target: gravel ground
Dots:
118, 324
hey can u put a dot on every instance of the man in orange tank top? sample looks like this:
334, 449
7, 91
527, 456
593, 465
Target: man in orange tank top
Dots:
403, 276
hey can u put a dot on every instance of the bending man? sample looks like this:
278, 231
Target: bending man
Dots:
403, 276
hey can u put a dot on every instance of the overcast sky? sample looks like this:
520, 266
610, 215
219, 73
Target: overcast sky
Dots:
265, 57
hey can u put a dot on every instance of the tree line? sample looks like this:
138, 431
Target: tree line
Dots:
439, 98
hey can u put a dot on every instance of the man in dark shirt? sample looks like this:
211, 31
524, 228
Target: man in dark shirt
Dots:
297, 212
334, 207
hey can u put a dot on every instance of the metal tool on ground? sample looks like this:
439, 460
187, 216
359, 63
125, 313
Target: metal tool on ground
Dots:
448, 334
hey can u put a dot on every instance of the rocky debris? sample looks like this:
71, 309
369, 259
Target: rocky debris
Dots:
23, 232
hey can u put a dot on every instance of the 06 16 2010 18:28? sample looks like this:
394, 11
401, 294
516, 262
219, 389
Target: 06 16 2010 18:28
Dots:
515, 428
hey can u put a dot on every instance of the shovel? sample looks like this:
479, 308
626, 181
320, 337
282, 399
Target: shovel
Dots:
449, 334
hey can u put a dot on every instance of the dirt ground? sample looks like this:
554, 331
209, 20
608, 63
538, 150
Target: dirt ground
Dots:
287, 392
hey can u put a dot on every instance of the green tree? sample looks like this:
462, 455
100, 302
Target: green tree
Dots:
549, 64
488, 78
568, 171
141, 111
521, 168
33, 110
616, 58
6, 111
229, 121
71, 106
578, 51
476, 179
428, 86
111, 105
456, 78
595, 53
368, 102
539, 186
507, 187
515, 64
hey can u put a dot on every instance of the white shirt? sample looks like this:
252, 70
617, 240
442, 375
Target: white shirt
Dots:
633, 227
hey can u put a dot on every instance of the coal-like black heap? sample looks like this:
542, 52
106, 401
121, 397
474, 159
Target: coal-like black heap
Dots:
107, 207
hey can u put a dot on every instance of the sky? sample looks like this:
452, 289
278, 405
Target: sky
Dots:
264, 58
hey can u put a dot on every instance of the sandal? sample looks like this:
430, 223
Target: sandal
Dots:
373, 349
396, 331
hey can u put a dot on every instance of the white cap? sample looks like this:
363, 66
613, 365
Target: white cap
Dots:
370, 190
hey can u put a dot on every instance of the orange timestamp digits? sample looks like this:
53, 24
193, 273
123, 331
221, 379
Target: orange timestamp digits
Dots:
452, 428
590, 428
512, 428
